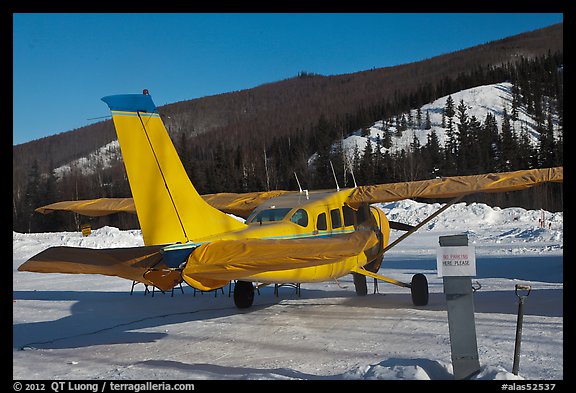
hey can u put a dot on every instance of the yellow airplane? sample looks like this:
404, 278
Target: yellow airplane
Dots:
288, 236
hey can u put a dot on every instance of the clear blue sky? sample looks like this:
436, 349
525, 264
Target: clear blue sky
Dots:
64, 63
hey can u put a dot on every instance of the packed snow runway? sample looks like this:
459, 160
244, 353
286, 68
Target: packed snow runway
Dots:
91, 327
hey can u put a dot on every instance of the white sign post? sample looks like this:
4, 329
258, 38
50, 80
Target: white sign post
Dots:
456, 263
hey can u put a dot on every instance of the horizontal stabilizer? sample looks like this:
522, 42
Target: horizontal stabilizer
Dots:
130, 263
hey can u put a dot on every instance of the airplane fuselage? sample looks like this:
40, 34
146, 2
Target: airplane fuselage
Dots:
315, 214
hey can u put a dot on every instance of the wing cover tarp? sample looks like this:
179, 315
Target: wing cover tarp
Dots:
239, 204
242, 204
133, 263
454, 186
227, 260
92, 207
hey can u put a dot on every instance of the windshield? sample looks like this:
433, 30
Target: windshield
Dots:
269, 215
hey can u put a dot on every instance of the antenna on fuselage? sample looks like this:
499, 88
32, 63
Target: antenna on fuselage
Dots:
334, 174
297, 181
353, 177
300, 187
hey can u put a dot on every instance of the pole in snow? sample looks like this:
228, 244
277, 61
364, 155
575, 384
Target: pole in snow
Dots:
521, 298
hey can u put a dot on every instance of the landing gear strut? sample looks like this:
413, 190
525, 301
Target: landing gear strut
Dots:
243, 294
418, 286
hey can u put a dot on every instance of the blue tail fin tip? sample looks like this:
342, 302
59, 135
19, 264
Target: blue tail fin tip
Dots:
130, 103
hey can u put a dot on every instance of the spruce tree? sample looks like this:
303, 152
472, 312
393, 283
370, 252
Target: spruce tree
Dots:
526, 153
450, 149
52, 222
433, 153
387, 139
356, 160
515, 102
378, 159
449, 107
428, 123
32, 196
474, 149
547, 145
488, 143
367, 164
463, 138
403, 123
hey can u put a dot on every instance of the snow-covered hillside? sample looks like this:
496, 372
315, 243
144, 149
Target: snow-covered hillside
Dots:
101, 158
480, 101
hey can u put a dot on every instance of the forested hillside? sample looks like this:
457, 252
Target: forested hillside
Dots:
257, 139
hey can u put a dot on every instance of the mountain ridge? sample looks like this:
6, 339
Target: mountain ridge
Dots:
236, 111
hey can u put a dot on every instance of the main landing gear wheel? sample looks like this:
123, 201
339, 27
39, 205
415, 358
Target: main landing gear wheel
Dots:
419, 289
360, 284
243, 294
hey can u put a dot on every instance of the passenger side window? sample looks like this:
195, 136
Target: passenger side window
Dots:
300, 218
336, 219
321, 222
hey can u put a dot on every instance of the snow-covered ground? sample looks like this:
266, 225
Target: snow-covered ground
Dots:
91, 327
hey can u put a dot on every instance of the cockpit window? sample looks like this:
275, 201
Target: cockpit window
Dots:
300, 217
269, 215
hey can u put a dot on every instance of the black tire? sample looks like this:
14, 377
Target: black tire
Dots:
243, 294
360, 284
419, 289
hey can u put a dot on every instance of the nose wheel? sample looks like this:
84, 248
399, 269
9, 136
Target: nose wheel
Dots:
419, 289
243, 294
360, 284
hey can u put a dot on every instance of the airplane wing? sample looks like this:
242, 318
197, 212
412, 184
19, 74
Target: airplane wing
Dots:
242, 204
212, 265
454, 186
92, 207
238, 204
142, 264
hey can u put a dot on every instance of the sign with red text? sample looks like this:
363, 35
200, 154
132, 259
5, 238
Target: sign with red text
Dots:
456, 261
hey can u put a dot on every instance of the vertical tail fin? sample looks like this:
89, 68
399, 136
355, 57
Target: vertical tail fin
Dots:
168, 206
